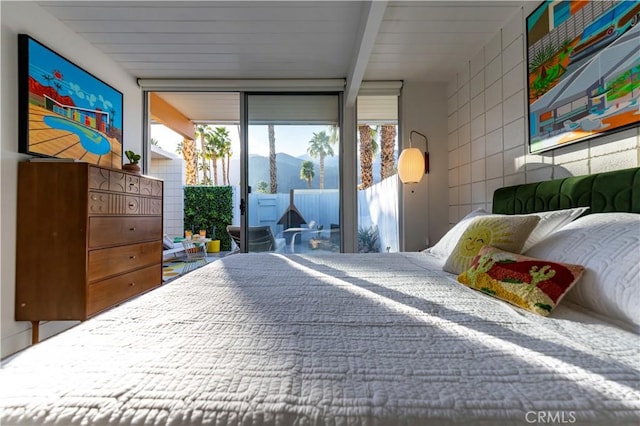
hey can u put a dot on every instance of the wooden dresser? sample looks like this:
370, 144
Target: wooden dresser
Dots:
88, 238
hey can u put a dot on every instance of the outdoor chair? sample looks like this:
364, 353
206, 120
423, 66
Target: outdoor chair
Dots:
196, 254
260, 238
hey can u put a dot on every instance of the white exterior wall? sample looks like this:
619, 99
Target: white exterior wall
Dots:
171, 172
487, 140
29, 18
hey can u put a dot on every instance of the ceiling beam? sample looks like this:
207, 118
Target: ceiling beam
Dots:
165, 113
367, 33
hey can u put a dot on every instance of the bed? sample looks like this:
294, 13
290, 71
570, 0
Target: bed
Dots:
362, 339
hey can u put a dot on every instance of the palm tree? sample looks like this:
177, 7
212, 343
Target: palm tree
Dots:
387, 150
319, 147
58, 87
368, 149
229, 153
201, 132
49, 79
306, 172
210, 157
187, 148
218, 140
112, 115
225, 156
273, 170
206, 180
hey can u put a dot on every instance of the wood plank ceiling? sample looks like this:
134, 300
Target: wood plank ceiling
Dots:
414, 40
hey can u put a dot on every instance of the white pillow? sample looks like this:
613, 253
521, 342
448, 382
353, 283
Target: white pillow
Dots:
608, 246
549, 222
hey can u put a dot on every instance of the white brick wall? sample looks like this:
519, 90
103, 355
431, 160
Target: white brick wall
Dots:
488, 135
171, 171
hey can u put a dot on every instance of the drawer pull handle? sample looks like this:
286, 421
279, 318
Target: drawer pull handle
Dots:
131, 205
132, 257
132, 284
132, 229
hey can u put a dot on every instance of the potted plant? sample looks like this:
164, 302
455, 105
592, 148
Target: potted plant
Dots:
132, 165
213, 246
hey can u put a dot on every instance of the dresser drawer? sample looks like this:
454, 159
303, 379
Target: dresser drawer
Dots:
146, 186
103, 203
150, 206
104, 294
156, 188
116, 260
99, 202
117, 181
150, 187
107, 231
133, 184
98, 178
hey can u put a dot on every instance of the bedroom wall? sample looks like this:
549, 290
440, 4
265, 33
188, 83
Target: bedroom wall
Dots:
29, 18
486, 106
424, 218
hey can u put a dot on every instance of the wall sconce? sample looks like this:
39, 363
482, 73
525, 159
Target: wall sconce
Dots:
413, 164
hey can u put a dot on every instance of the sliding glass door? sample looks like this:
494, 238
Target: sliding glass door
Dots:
378, 184
292, 202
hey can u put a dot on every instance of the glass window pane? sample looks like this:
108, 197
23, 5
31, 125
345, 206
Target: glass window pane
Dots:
293, 172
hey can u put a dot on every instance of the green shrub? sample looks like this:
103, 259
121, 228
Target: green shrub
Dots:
206, 207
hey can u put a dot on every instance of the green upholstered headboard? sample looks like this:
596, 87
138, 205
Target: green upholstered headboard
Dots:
617, 191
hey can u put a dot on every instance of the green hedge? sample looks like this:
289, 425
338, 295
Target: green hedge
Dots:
209, 206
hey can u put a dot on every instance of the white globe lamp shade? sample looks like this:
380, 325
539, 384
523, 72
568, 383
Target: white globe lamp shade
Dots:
411, 165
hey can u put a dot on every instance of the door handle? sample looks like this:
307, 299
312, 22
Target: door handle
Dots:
243, 206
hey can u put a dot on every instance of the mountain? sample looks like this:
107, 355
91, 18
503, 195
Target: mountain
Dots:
289, 171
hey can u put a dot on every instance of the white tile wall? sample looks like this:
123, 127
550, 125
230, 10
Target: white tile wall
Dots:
494, 118
477, 172
493, 48
512, 55
452, 140
477, 127
464, 134
464, 114
477, 63
487, 133
494, 142
477, 105
493, 94
477, 84
478, 148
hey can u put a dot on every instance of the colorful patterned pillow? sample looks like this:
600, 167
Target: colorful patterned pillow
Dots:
533, 284
504, 232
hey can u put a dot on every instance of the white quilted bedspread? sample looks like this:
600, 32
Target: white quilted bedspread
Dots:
266, 339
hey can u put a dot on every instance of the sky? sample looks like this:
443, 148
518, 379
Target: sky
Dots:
293, 140
86, 90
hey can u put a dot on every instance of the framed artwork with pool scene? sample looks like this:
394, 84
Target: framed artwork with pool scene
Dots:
583, 70
64, 111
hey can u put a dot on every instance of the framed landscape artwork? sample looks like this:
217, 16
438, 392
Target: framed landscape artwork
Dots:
583, 62
64, 111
